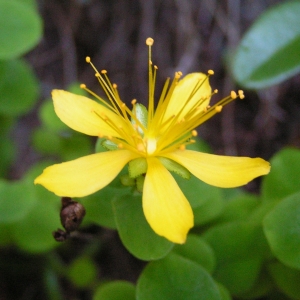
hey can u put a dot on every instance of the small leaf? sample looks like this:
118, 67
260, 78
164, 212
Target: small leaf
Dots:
177, 278
18, 87
135, 232
115, 290
137, 167
206, 200
197, 250
20, 27
239, 248
287, 279
175, 167
16, 200
283, 180
141, 113
82, 272
282, 229
266, 56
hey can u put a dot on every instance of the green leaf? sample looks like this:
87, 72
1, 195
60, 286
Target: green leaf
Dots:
175, 167
141, 113
20, 28
135, 232
283, 180
115, 290
282, 229
99, 208
34, 233
46, 142
206, 200
239, 248
18, 87
177, 278
266, 56
16, 200
197, 250
82, 272
137, 167
49, 118
239, 207
287, 279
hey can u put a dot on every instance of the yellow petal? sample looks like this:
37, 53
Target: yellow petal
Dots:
165, 207
85, 175
183, 91
83, 115
221, 171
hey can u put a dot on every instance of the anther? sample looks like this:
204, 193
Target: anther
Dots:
216, 91
233, 94
194, 133
177, 75
97, 75
120, 146
149, 41
241, 94
133, 102
210, 72
103, 72
83, 86
182, 147
155, 67
218, 108
115, 86
88, 59
140, 147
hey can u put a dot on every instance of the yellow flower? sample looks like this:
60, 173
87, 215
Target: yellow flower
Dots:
150, 140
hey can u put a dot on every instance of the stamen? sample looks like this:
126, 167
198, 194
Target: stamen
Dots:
194, 133
233, 95
218, 108
149, 41
210, 72
133, 102
241, 94
182, 147
83, 86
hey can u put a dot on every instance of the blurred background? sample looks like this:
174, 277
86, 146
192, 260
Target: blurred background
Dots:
189, 35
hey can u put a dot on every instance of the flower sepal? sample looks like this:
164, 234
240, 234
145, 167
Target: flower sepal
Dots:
175, 167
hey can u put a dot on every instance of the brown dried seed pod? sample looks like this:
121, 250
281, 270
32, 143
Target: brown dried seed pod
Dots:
71, 214
60, 235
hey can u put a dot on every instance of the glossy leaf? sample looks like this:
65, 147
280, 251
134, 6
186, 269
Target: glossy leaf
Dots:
18, 87
197, 250
135, 232
115, 290
206, 200
287, 279
16, 200
283, 179
239, 249
82, 272
177, 278
21, 25
282, 229
269, 51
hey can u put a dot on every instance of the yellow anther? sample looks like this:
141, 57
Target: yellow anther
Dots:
233, 94
216, 91
83, 86
241, 94
218, 108
182, 147
120, 146
115, 86
123, 105
177, 75
97, 74
210, 72
149, 41
103, 72
88, 59
194, 133
140, 147
155, 67
133, 101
